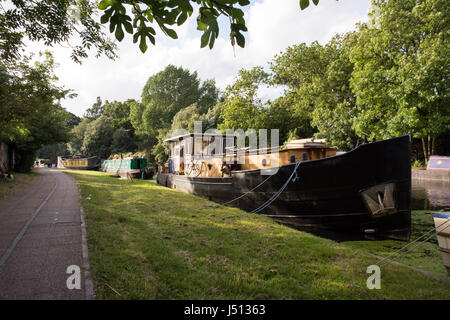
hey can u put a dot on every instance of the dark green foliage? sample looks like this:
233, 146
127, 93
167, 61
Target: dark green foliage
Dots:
53, 22
95, 111
98, 138
75, 145
53, 151
31, 118
402, 71
163, 96
122, 141
119, 113
175, 12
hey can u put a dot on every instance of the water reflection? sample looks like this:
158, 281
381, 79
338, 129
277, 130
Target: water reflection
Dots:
430, 195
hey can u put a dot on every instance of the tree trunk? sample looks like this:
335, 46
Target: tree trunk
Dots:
425, 154
433, 143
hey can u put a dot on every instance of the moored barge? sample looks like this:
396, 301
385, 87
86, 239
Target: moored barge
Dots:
91, 163
366, 190
128, 168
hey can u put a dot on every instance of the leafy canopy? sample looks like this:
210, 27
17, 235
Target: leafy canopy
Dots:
52, 22
167, 13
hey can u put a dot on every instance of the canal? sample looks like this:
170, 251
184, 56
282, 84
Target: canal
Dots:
430, 195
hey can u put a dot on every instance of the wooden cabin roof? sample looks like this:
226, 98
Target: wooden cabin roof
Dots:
307, 143
184, 136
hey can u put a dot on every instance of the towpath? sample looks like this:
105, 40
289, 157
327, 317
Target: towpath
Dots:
41, 236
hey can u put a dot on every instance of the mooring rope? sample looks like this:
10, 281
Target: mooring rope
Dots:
277, 194
242, 195
388, 261
272, 199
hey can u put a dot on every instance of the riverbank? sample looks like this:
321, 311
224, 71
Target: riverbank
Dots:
9, 186
150, 242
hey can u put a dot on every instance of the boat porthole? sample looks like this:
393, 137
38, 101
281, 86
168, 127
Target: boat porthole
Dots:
304, 156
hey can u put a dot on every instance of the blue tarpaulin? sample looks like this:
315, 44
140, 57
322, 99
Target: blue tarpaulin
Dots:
439, 163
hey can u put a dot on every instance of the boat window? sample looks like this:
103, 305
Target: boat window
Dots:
304, 156
188, 146
198, 145
292, 160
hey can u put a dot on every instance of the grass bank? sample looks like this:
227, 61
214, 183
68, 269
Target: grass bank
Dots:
20, 180
149, 242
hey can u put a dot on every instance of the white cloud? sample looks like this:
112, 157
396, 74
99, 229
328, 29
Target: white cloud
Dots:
273, 26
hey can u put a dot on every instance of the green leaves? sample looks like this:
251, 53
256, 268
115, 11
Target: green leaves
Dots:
305, 3
117, 17
169, 13
207, 22
104, 4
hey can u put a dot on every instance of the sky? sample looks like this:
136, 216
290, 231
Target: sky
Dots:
273, 25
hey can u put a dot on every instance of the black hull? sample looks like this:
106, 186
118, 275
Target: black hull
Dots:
329, 193
126, 174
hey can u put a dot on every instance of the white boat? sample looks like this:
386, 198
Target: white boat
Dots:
442, 225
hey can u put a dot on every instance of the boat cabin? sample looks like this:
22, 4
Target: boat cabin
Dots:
216, 155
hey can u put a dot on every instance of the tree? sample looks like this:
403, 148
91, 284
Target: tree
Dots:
402, 71
185, 118
163, 96
291, 124
166, 93
122, 141
209, 94
119, 114
334, 102
73, 120
52, 22
53, 151
75, 145
242, 108
95, 111
176, 12
98, 138
295, 70
30, 113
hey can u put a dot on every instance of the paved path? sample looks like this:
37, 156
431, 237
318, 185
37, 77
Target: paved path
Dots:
40, 236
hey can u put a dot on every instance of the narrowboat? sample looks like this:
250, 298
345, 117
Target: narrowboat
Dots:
91, 163
366, 190
128, 168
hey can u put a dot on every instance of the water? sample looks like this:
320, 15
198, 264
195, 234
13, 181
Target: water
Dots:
430, 195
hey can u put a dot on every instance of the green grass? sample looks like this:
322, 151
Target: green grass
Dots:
426, 256
9, 186
150, 242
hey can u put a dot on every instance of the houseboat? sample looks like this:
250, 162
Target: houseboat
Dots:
128, 168
366, 190
91, 163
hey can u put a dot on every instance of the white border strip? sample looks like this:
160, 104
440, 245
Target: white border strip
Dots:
88, 284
